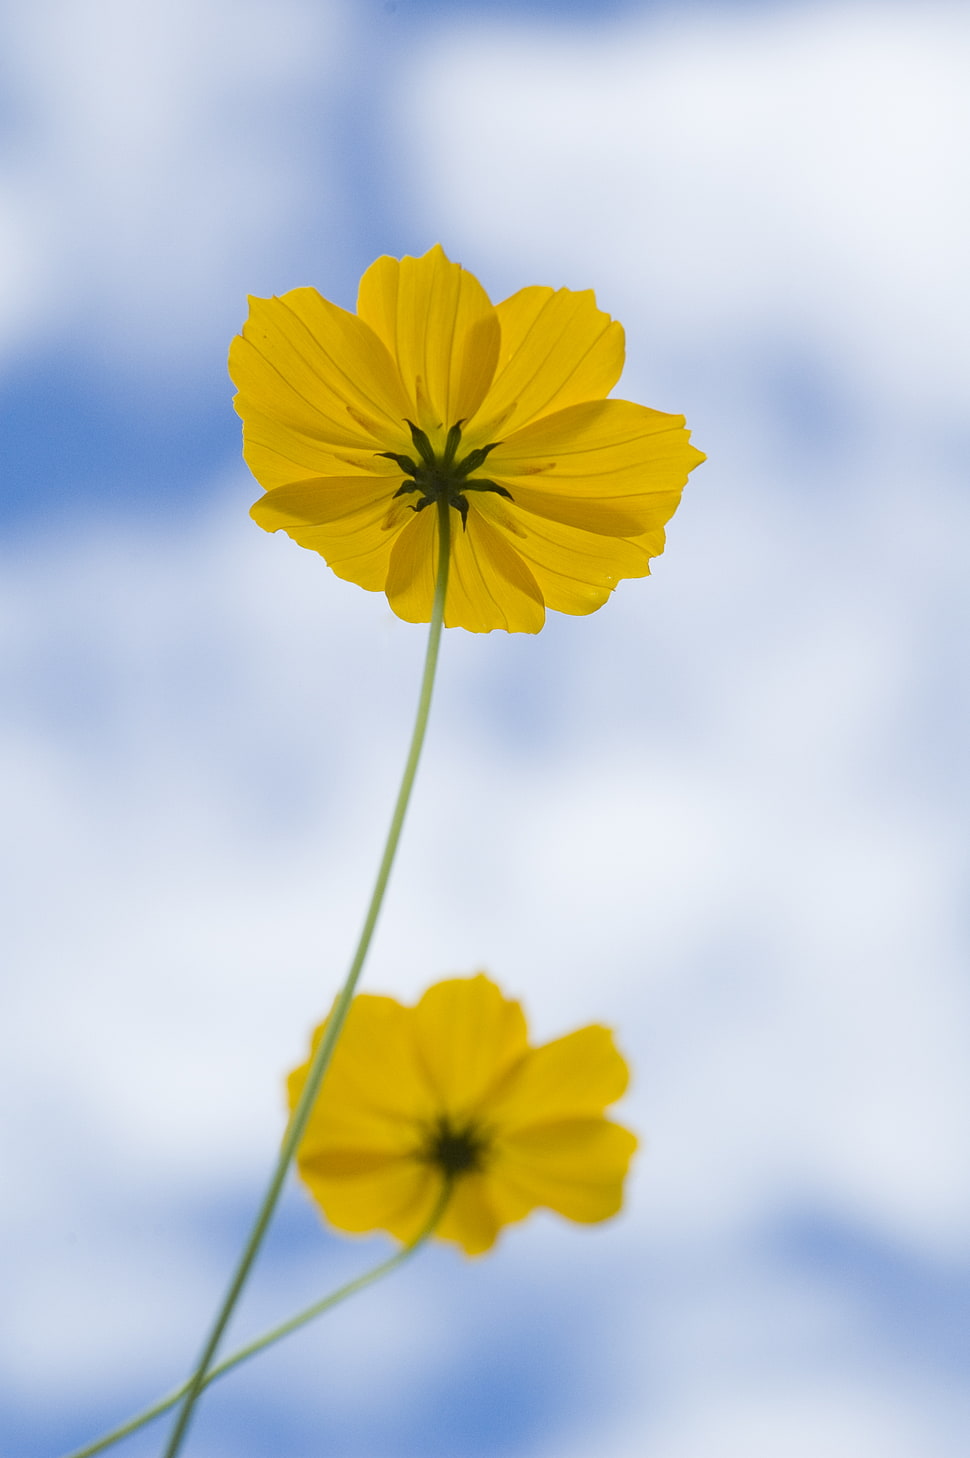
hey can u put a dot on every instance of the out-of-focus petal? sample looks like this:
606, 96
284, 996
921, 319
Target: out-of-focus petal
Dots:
408, 1087
375, 1094
572, 1077
398, 1197
471, 1219
576, 1167
468, 1037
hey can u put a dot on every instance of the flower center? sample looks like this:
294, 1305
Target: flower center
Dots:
455, 1149
444, 477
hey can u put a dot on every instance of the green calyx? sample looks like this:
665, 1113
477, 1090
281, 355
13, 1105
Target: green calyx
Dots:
444, 477
456, 1150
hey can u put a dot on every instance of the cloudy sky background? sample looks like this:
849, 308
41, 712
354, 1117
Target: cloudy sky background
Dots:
725, 814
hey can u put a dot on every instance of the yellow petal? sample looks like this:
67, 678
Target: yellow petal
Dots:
413, 567
489, 585
470, 1219
306, 369
575, 570
573, 1076
557, 349
375, 1095
437, 322
278, 458
608, 449
619, 516
468, 1037
333, 501
576, 1167
353, 522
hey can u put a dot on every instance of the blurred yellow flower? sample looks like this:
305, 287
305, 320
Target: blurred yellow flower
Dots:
355, 423
451, 1089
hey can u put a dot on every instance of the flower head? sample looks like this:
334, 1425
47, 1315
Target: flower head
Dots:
356, 423
451, 1090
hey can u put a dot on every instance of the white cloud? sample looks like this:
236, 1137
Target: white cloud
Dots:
733, 175
830, 1417
159, 157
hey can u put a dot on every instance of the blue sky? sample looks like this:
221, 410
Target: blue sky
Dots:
725, 815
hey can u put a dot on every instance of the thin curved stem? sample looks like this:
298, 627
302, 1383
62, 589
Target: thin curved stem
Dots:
359, 1283
320, 1061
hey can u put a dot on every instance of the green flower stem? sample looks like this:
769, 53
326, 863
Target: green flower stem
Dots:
324, 1051
268, 1338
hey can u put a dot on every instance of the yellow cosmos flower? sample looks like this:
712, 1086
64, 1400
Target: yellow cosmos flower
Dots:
451, 1090
355, 423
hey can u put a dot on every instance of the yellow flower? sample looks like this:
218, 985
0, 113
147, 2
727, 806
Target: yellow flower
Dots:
450, 1089
355, 423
